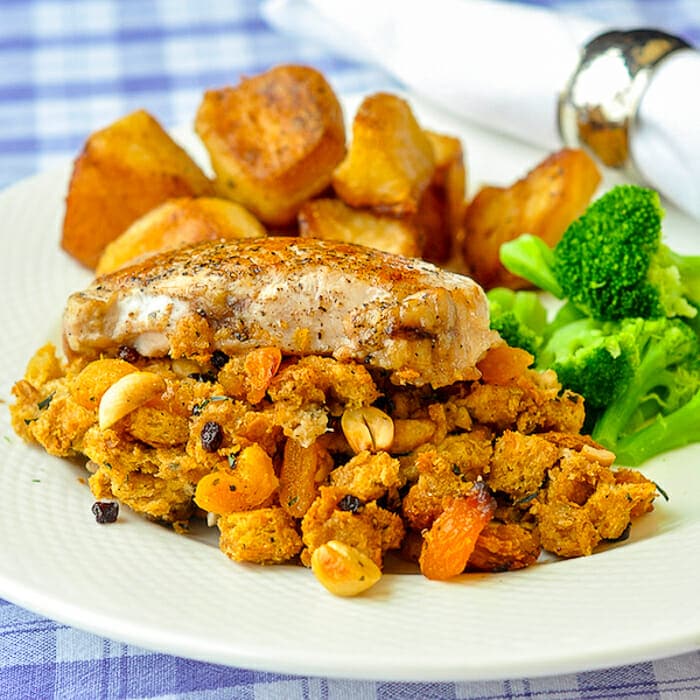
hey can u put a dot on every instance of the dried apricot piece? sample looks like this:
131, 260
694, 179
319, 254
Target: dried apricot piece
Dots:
502, 364
260, 367
298, 477
247, 485
95, 378
452, 537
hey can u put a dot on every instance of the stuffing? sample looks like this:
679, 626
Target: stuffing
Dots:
438, 478
520, 463
585, 503
505, 547
291, 454
260, 536
336, 515
307, 392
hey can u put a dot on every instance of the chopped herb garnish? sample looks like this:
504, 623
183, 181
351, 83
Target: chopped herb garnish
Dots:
231, 460
526, 499
661, 491
45, 403
202, 377
198, 408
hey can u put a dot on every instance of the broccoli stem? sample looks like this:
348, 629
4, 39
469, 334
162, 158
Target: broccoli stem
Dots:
612, 422
689, 269
530, 257
677, 429
566, 314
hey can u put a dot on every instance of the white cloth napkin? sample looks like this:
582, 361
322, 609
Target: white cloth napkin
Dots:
503, 66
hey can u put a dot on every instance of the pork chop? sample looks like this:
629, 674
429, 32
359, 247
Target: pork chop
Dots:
422, 324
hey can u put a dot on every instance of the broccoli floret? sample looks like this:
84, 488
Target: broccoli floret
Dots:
611, 262
594, 359
665, 379
639, 378
519, 317
628, 334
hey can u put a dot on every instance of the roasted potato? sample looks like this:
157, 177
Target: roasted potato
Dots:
441, 212
124, 171
274, 140
332, 220
176, 223
390, 162
542, 203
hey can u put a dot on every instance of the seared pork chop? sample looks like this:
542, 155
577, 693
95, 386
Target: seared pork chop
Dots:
422, 324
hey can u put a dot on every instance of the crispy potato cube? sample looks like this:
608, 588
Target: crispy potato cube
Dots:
390, 161
176, 223
124, 171
332, 220
542, 203
441, 211
274, 140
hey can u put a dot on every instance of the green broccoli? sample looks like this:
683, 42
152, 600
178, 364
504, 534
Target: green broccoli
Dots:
594, 359
659, 394
532, 259
611, 262
519, 317
640, 379
665, 432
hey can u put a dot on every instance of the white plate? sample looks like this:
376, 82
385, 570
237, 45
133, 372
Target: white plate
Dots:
141, 583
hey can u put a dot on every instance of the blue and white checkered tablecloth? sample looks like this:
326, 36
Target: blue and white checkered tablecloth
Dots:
68, 67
